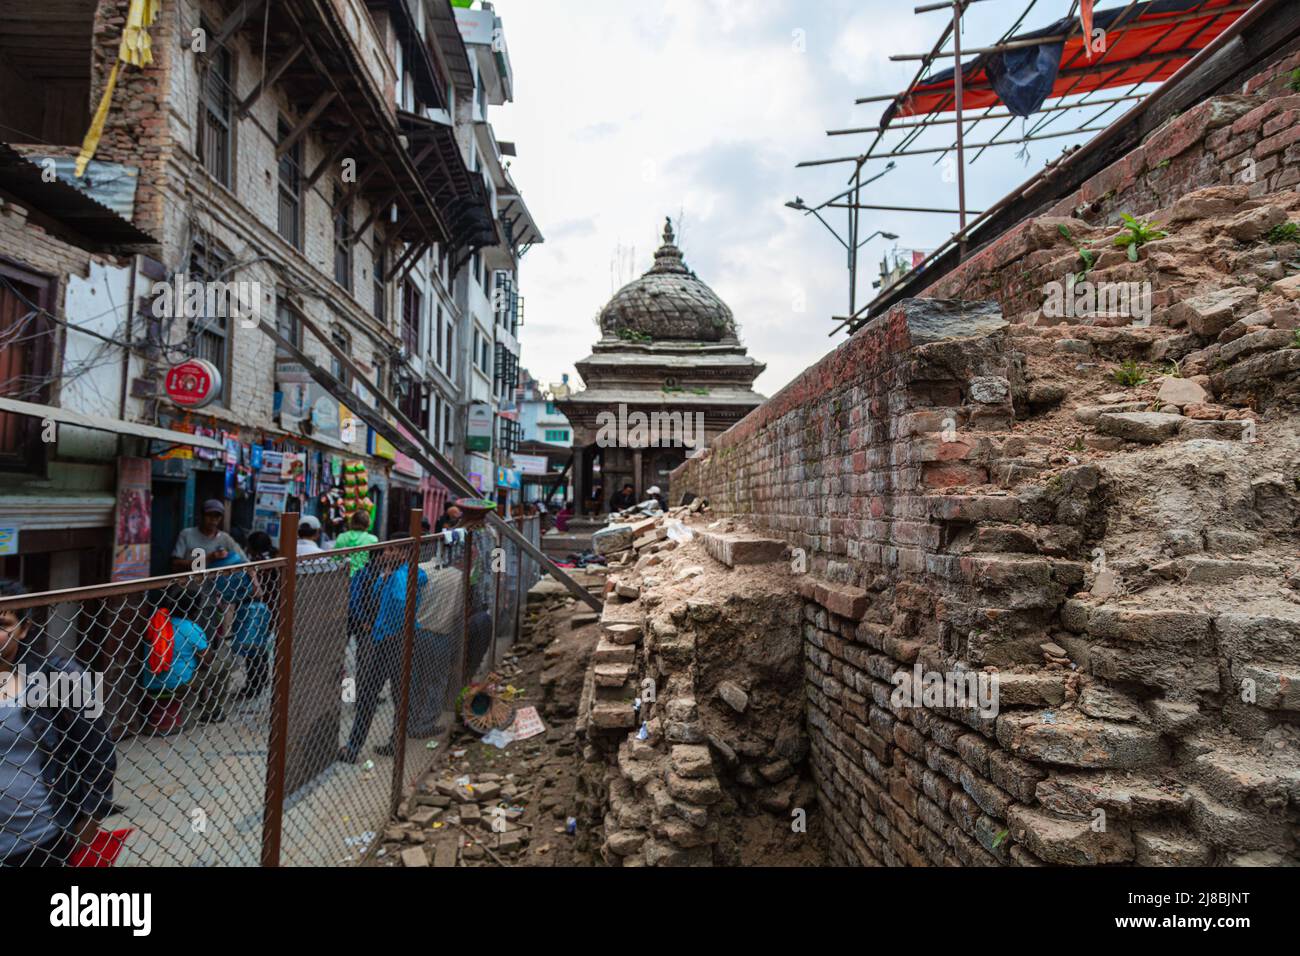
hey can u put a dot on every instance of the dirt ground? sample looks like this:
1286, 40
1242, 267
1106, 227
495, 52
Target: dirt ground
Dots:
535, 776
534, 781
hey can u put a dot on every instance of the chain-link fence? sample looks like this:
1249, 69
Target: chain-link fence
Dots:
251, 713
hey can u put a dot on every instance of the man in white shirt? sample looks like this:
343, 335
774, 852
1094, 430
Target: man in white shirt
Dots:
309, 535
206, 537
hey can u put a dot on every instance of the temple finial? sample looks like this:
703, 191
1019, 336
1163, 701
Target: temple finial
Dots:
668, 230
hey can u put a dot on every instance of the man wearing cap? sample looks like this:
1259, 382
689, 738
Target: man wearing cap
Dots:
309, 535
208, 537
208, 610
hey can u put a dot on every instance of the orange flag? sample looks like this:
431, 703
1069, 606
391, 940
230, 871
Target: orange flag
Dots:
1085, 11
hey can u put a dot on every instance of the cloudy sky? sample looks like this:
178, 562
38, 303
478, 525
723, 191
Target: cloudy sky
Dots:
627, 111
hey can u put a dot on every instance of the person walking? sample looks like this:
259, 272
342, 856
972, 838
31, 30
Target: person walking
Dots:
379, 657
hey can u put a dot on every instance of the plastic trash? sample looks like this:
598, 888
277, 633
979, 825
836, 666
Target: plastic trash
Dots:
571, 826
643, 733
501, 739
678, 532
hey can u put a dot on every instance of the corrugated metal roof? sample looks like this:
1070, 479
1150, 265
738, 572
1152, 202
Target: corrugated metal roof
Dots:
109, 184
88, 222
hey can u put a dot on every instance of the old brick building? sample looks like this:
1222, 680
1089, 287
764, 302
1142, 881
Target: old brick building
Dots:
332, 156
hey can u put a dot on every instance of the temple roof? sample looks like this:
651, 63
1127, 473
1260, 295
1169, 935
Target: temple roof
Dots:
668, 303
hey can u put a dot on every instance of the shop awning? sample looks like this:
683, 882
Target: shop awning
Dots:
1143, 43
102, 423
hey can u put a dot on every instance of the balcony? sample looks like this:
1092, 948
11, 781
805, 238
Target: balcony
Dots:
368, 48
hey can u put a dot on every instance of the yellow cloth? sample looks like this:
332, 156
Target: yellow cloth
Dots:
135, 49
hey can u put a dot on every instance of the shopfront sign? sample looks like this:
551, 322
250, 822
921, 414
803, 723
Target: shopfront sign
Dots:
532, 464
479, 430
508, 478
193, 384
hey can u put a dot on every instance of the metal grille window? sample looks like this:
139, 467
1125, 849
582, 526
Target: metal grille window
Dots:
216, 120
287, 324
412, 304
209, 335
289, 220
342, 240
343, 342
378, 269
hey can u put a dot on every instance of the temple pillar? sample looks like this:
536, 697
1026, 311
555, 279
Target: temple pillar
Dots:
581, 483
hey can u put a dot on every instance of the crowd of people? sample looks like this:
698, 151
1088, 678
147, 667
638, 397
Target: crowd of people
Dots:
57, 763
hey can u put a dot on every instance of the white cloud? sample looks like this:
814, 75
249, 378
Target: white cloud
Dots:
631, 110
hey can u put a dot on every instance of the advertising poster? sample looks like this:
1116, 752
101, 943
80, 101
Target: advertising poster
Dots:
293, 465
131, 519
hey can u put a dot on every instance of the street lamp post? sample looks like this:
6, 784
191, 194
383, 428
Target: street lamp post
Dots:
852, 245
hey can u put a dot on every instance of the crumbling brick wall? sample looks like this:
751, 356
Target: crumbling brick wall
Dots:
956, 516
1249, 140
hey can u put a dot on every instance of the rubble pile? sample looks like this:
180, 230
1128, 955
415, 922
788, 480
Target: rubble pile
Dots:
484, 805
694, 751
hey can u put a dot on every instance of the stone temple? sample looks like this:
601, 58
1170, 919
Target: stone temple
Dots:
666, 377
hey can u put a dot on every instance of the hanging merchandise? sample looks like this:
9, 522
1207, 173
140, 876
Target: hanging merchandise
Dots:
356, 488
332, 512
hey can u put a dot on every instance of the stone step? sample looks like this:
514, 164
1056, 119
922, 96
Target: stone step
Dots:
734, 550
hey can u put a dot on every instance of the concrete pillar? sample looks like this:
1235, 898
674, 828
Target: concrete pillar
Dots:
638, 477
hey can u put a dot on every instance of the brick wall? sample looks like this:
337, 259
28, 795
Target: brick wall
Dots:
955, 484
1250, 139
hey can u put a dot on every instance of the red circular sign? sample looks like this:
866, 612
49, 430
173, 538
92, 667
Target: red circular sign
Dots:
193, 383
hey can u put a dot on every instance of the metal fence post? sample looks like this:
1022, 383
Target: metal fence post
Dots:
403, 691
496, 609
519, 591
465, 674
277, 745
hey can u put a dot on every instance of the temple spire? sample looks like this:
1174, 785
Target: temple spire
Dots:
668, 230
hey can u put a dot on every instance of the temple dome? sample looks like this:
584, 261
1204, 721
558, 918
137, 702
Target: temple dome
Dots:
668, 303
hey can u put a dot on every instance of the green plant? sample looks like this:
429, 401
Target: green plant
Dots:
1000, 838
1129, 374
1087, 255
1284, 232
630, 335
1137, 234
1295, 81
1174, 370
1295, 340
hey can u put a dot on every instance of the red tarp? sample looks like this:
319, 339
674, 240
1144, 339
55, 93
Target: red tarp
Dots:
1134, 45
